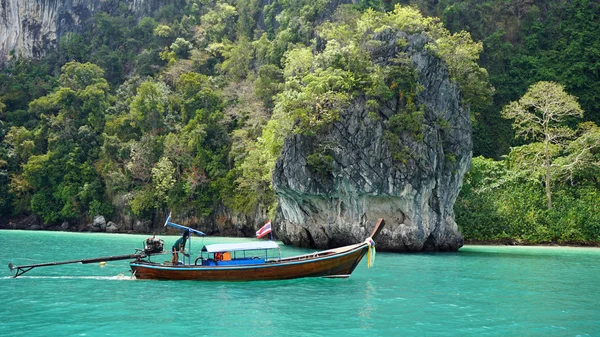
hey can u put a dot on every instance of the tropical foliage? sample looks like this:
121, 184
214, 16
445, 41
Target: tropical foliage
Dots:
188, 108
504, 200
190, 111
525, 42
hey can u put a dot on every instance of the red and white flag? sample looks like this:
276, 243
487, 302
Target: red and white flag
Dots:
264, 230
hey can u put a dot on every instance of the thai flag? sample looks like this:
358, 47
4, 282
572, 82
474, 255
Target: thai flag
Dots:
264, 230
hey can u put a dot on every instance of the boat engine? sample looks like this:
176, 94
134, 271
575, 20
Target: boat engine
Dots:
153, 245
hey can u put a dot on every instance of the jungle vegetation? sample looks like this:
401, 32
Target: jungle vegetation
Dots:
188, 108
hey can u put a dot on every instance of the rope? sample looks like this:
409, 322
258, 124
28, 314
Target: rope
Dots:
370, 252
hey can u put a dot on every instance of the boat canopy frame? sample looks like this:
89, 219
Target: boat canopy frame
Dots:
232, 247
189, 230
242, 248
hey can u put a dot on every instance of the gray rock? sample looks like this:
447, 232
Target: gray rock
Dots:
99, 221
234, 223
415, 196
128, 221
119, 226
28, 222
142, 226
64, 225
92, 228
35, 227
112, 228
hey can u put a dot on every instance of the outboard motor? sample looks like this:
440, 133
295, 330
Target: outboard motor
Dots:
154, 245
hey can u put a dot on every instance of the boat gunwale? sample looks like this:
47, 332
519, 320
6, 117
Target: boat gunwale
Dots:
336, 251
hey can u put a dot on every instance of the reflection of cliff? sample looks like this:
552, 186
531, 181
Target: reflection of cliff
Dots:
415, 196
29, 28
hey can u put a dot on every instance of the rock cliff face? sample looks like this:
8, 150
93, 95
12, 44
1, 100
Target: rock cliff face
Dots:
29, 28
415, 196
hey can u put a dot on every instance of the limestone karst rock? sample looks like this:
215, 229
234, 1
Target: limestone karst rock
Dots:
415, 197
29, 28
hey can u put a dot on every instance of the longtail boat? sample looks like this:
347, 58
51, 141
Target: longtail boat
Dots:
247, 261
261, 260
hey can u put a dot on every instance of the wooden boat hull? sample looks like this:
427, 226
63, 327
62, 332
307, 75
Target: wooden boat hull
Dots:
334, 263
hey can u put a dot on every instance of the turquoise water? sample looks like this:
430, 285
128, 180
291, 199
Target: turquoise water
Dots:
479, 291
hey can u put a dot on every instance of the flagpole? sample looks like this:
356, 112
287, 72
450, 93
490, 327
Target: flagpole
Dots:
271, 231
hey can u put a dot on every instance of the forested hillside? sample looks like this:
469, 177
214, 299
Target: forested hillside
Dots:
526, 41
182, 110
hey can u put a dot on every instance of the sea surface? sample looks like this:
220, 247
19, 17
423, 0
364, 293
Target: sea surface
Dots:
478, 291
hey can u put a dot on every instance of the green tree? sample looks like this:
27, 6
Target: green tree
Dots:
58, 180
74, 47
181, 47
163, 180
542, 115
150, 106
268, 83
141, 158
219, 22
163, 31
582, 159
21, 141
198, 97
238, 58
77, 76
144, 30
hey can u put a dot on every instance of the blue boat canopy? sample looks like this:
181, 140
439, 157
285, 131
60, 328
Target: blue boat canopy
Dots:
229, 247
184, 228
